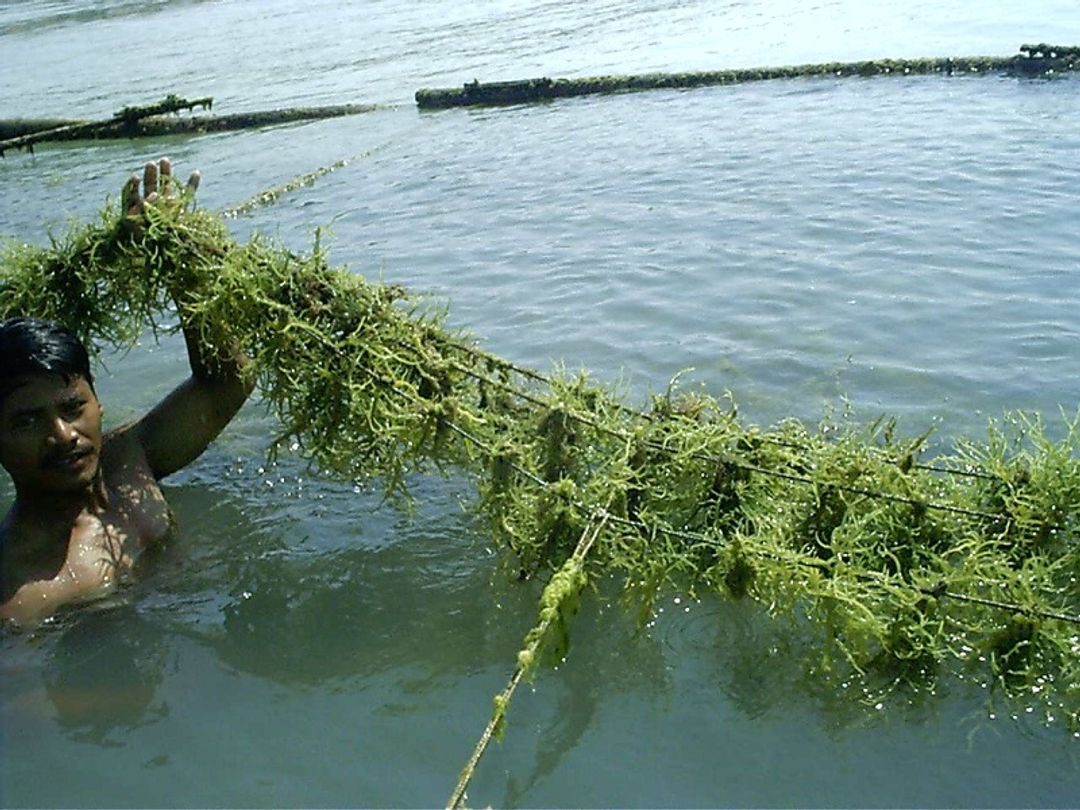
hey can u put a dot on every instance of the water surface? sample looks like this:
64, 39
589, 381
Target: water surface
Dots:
904, 245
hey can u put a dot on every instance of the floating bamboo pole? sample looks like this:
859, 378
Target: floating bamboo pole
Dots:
1033, 61
124, 121
24, 133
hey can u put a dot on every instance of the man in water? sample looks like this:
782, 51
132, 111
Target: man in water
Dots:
87, 502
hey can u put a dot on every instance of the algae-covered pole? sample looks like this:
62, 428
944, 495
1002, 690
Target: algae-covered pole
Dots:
170, 104
23, 133
197, 125
1034, 60
16, 127
123, 121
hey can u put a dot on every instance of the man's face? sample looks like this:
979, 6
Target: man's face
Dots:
50, 434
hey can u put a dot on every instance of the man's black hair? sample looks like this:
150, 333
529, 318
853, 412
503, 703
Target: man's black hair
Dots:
34, 346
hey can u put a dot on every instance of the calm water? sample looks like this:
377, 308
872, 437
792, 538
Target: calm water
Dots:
907, 244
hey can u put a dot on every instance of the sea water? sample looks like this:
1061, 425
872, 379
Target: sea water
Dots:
901, 246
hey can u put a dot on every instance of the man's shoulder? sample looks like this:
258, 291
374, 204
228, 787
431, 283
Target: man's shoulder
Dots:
121, 450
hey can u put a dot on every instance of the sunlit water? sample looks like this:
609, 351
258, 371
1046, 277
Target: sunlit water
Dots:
908, 245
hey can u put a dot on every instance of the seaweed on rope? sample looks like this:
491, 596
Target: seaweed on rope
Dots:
909, 569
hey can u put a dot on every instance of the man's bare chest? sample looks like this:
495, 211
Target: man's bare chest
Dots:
135, 514
103, 546
100, 547
49, 559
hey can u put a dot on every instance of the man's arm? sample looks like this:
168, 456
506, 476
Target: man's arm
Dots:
34, 601
179, 428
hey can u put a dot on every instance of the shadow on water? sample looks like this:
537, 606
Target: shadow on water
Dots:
254, 586
333, 590
330, 614
769, 667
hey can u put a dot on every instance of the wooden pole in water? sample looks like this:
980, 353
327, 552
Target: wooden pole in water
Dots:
26, 132
1033, 61
123, 120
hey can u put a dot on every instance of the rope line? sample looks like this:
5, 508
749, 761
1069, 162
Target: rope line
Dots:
617, 434
994, 603
547, 380
272, 194
938, 591
585, 543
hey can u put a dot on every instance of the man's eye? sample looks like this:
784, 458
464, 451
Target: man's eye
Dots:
73, 409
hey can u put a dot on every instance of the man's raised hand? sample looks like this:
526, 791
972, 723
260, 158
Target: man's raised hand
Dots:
158, 187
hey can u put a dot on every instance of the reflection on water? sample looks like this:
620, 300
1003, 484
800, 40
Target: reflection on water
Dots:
309, 592
767, 667
608, 655
103, 673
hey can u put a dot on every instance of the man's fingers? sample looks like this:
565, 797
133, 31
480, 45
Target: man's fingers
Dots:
150, 177
155, 180
129, 197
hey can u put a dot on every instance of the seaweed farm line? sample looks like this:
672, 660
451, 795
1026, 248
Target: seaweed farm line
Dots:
151, 121
1034, 61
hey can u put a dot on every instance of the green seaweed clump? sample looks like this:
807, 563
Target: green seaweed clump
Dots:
906, 569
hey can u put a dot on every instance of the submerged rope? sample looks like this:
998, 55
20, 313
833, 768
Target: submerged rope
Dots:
274, 193
565, 583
